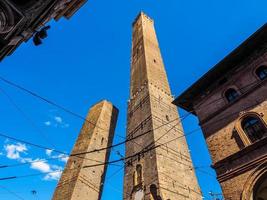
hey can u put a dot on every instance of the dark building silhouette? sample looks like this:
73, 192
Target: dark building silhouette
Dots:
22, 19
231, 104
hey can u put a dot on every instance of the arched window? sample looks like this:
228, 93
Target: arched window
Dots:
254, 128
231, 95
154, 192
262, 72
260, 188
139, 174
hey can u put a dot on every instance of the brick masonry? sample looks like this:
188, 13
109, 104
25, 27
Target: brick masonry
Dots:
78, 183
168, 168
239, 164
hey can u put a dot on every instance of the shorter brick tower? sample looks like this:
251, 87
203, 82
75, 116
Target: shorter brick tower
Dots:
78, 183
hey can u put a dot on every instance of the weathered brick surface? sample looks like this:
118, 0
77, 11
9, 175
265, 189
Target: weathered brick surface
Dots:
78, 183
235, 161
168, 167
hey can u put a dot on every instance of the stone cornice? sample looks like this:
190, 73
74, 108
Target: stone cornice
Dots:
242, 169
234, 165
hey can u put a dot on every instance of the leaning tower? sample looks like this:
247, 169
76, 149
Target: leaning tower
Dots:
165, 172
79, 182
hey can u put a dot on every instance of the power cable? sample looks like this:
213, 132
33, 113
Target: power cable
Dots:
66, 110
76, 154
25, 116
81, 153
95, 165
48, 101
40, 147
88, 152
12, 193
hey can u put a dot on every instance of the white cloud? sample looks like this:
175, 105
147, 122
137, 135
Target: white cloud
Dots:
41, 166
53, 176
61, 157
13, 151
47, 123
48, 152
64, 159
58, 119
65, 125
53, 171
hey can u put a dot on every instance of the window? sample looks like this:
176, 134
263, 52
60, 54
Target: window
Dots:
231, 95
167, 118
261, 72
73, 164
139, 174
260, 189
254, 128
154, 192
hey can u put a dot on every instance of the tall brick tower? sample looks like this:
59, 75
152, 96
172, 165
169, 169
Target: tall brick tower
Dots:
78, 183
165, 172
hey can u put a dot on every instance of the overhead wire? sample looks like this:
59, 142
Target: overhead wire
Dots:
74, 114
40, 147
169, 141
81, 153
25, 116
31, 122
100, 164
12, 193
111, 162
55, 150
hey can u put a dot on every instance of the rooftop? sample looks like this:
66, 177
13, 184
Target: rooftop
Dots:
140, 15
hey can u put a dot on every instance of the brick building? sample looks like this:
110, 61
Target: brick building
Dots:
79, 182
22, 19
230, 102
164, 173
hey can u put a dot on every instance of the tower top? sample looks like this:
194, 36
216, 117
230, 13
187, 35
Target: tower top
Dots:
143, 16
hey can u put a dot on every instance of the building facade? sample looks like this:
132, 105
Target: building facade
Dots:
231, 104
164, 172
22, 19
78, 182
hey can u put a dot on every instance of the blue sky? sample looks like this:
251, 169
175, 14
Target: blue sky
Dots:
87, 59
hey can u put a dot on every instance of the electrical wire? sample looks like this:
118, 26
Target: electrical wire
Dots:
12, 193
100, 164
26, 117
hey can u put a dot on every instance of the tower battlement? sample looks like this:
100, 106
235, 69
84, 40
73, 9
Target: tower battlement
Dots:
142, 15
